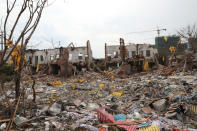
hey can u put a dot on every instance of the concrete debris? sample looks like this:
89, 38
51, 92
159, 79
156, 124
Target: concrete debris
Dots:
55, 109
92, 106
160, 105
3, 126
94, 101
19, 120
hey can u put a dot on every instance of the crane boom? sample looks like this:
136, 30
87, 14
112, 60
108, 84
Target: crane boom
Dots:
158, 31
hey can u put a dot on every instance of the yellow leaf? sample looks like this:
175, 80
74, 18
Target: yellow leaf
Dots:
81, 81
112, 77
93, 92
8, 43
48, 102
101, 85
57, 83
148, 82
18, 47
117, 94
18, 60
188, 79
14, 53
108, 73
112, 86
74, 86
172, 49
25, 58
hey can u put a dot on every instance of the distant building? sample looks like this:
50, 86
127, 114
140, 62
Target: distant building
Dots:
47, 56
146, 50
163, 47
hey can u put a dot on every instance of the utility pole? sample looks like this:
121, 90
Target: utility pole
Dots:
59, 44
105, 55
88, 52
1, 40
137, 49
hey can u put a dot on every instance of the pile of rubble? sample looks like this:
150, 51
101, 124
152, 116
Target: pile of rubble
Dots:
98, 102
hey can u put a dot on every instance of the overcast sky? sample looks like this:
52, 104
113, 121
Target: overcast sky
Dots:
105, 21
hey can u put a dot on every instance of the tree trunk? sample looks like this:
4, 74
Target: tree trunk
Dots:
2, 86
17, 84
34, 92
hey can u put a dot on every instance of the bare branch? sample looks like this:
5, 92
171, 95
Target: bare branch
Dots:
30, 19
13, 5
36, 23
190, 31
18, 17
7, 6
40, 7
5, 24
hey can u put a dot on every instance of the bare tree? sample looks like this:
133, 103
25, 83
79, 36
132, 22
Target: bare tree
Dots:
189, 35
31, 10
190, 31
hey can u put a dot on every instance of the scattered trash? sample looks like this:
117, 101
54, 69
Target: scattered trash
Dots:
18, 120
92, 106
55, 109
150, 128
47, 128
147, 110
95, 101
119, 117
3, 126
144, 124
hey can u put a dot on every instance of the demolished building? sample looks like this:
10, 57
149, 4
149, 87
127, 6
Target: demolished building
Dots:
184, 52
132, 55
146, 50
53, 58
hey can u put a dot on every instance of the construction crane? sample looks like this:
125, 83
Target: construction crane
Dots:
157, 30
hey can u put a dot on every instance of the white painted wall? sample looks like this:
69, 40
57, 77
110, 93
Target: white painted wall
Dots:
51, 54
132, 47
75, 53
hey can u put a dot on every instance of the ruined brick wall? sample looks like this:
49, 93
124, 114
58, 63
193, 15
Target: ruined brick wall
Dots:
63, 62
